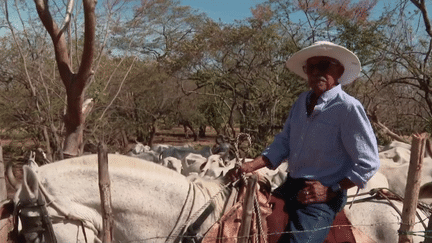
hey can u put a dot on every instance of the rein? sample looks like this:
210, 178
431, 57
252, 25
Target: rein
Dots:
191, 225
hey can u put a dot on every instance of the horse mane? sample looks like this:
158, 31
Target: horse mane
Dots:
210, 187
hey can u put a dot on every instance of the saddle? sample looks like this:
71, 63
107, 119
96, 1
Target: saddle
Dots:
229, 226
272, 221
342, 230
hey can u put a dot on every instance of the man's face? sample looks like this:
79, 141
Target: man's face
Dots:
323, 73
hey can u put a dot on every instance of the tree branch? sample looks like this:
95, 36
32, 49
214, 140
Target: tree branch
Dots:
59, 41
89, 42
68, 16
420, 4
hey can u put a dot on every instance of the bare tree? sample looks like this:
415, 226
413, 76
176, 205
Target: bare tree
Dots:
74, 82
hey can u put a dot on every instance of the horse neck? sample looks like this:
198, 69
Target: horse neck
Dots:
211, 191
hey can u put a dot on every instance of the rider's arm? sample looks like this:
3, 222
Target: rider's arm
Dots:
257, 163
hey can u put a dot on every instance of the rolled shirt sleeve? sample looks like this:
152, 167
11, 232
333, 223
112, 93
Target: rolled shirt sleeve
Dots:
361, 145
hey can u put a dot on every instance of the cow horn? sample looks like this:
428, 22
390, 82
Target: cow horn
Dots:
11, 177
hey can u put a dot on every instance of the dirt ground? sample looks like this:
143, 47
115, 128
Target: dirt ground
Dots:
176, 136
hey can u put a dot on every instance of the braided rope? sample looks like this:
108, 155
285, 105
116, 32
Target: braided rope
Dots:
259, 219
195, 216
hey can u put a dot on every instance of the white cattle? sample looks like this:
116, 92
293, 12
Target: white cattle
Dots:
277, 176
139, 148
146, 155
215, 166
181, 153
172, 163
192, 160
192, 164
154, 154
144, 152
377, 219
394, 166
380, 222
377, 181
159, 148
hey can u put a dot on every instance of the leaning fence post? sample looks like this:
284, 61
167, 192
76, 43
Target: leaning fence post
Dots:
428, 235
3, 190
105, 194
412, 188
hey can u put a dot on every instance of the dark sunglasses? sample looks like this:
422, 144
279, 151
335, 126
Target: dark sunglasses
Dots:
322, 66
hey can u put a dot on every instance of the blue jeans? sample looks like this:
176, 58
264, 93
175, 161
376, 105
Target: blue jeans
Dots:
307, 223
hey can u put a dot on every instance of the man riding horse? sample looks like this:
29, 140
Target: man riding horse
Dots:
327, 139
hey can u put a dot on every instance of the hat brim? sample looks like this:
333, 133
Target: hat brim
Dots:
346, 57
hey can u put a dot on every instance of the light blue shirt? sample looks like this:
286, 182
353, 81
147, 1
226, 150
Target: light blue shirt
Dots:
335, 142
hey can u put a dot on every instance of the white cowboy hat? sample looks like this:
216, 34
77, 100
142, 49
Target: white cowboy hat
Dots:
346, 57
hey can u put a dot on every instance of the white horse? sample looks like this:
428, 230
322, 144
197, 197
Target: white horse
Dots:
149, 202
152, 203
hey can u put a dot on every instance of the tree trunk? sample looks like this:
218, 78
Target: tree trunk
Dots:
152, 134
202, 131
74, 83
73, 138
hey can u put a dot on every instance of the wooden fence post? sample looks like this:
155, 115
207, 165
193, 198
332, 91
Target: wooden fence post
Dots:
105, 194
247, 209
412, 188
3, 190
428, 235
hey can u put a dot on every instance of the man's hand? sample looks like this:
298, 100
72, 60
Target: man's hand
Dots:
247, 167
314, 192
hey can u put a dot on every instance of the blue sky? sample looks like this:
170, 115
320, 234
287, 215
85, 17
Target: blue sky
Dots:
226, 10
230, 10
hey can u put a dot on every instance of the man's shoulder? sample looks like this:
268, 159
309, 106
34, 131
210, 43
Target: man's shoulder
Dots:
304, 94
349, 100
302, 97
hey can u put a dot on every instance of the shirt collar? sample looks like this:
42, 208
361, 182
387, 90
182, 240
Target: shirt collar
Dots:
330, 94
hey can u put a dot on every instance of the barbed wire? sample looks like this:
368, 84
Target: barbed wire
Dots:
414, 233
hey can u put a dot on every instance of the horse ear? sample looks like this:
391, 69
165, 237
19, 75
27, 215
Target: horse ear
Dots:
30, 184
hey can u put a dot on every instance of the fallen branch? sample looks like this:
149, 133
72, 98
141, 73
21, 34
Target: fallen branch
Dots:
391, 134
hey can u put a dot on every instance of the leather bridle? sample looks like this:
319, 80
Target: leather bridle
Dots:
36, 225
